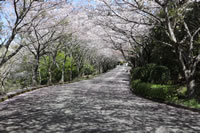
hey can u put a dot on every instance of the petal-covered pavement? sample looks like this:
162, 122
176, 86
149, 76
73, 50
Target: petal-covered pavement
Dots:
104, 104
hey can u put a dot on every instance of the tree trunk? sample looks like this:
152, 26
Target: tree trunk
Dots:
2, 86
78, 68
50, 68
63, 76
100, 68
40, 78
34, 77
35, 73
189, 68
190, 81
70, 73
63, 71
50, 75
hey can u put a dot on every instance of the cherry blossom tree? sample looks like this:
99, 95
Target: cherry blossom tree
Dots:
14, 17
44, 34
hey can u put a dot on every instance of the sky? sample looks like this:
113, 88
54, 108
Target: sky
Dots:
81, 2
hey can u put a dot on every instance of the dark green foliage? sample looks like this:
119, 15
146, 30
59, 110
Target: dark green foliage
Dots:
152, 73
140, 73
197, 74
88, 69
44, 75
163, 55
159, 75
56, 74
149, 68
140, 87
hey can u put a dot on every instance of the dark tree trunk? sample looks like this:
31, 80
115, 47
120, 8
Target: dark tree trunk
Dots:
35, 73
63, 70
70, 73
2, 86
50, 75
34, 77
40, 78
191, 86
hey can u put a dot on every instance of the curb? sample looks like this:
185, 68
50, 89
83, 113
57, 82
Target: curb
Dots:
19, 91
28, 89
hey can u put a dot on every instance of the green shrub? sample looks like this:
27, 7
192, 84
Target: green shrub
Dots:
135, 83
170, 93
140, 88
88, 69
161, 92
159, 75
149, 68
140, 73
155, 91
120, 63
152, 73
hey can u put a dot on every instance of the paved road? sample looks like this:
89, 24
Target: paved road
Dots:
100, 105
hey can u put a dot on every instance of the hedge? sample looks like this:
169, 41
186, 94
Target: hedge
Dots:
152, 73
154, 91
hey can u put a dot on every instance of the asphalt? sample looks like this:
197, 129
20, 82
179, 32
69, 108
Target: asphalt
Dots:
103, 104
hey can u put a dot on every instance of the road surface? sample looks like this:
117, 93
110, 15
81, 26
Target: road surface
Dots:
104, 104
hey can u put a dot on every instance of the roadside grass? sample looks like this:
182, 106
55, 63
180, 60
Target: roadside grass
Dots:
174, 94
